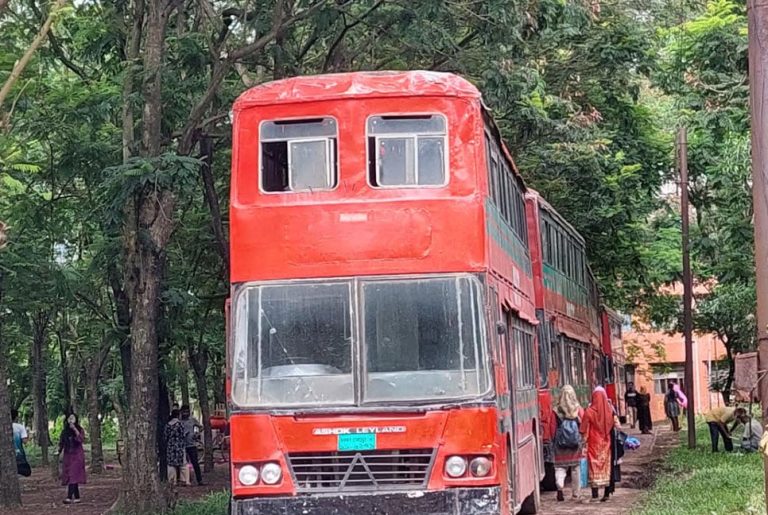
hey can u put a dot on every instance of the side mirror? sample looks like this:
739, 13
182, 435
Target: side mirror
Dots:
501, 328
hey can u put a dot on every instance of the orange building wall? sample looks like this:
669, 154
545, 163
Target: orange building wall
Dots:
645, 347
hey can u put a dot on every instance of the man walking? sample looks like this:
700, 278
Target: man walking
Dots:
631, 399
191, 426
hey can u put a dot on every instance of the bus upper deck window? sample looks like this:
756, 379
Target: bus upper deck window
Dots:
407, 150
298, 155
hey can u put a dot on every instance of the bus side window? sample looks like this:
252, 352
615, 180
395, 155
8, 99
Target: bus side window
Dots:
298, 155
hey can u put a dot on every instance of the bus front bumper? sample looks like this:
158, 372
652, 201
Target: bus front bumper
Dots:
455, 501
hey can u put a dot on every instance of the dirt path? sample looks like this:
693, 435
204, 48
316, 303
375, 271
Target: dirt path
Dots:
42, 495
638, 471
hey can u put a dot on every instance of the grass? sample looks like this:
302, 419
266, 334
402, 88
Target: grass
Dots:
696, 482
213, 504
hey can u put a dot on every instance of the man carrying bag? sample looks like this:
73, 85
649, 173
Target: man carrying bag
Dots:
19, 439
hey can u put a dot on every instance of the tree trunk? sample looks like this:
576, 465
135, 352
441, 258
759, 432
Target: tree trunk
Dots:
123, 313
22, 63
726, 393
69, 391
10, 493
148, 226
164, 408
93, 375
199, 362
94, 422
39, 330
184, 380
212, 200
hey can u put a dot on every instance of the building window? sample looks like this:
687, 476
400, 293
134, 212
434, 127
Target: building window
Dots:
298, 155
718, 375
663, 373
407, 150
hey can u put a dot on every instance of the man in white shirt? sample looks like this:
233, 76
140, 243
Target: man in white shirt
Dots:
20, 435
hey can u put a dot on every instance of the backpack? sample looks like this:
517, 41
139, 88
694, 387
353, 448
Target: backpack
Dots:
567, 435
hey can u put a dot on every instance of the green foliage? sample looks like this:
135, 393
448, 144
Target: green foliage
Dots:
698, 481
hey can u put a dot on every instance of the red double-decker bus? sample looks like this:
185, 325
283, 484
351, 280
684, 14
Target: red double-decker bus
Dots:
615, 384
568, 310
382, 353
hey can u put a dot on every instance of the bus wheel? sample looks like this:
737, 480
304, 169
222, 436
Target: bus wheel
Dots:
532, 504
548, 483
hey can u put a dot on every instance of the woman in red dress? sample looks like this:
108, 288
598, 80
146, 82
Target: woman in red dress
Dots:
596, 427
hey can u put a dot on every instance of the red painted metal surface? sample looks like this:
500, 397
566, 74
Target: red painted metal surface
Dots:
578, 321
467, 432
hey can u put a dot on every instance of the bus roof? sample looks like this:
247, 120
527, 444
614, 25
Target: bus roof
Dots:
357, 85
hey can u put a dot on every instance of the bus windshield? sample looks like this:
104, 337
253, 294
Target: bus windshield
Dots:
419, 339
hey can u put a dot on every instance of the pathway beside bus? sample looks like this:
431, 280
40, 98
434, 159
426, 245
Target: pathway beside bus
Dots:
42, 495
637, 474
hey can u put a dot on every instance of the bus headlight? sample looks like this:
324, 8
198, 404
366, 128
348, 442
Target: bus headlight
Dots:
455, 466
480, 466
248, 475
271, 473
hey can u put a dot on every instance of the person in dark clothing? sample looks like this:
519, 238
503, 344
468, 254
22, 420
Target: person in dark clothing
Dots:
175, 446
191, 426
72, 459
672, 407
644, 411
630, 397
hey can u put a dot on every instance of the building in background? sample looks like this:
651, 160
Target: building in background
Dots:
653, 356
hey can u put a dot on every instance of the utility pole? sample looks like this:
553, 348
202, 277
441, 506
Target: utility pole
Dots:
682, 162
758, 93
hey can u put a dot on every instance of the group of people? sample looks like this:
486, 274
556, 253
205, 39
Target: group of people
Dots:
718, 419
181, 439
181, 445
639, 408
592, 433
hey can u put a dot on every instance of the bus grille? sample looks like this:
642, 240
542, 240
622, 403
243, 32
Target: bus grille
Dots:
361, 471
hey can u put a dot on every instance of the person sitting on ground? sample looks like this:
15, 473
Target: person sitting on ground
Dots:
753, 432
718, 419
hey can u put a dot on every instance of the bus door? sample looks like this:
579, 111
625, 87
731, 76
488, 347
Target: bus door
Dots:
507, 350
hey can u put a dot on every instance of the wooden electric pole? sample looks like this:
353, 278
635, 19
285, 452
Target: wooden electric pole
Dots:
758, 93
682, 162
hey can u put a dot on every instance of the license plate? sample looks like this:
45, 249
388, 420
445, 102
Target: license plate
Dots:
357, 442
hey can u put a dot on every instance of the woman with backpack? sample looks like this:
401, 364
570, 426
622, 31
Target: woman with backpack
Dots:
567, 442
